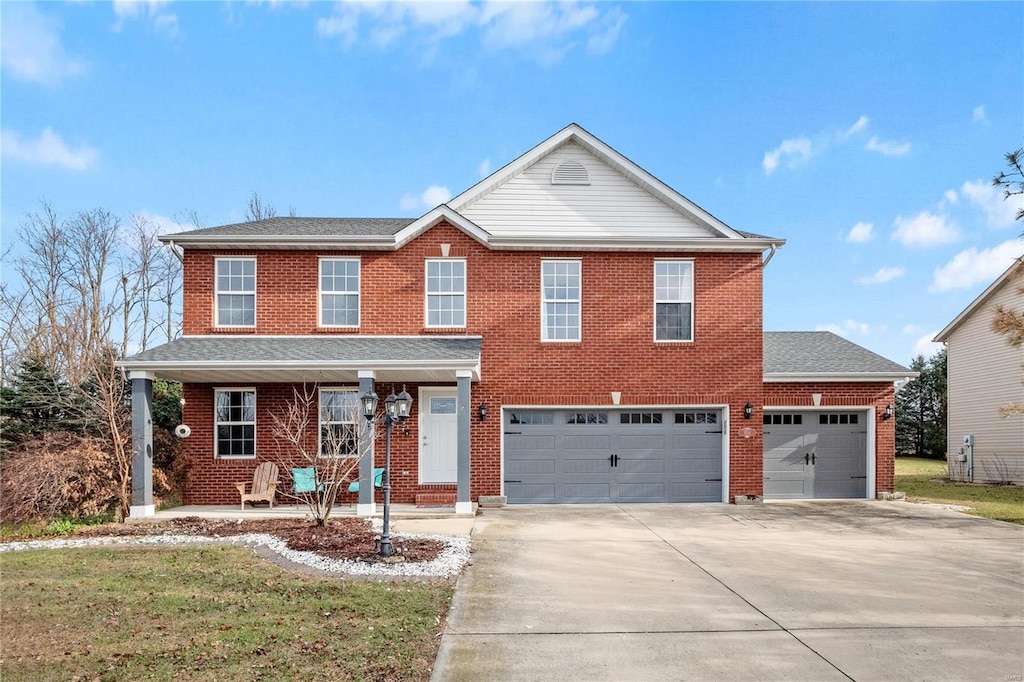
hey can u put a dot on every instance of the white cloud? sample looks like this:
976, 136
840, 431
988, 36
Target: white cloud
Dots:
860, 125
30, 46
794, 152
542, 31
49, 149
971, 266
846, 328
431, 197
164, 224
925, 346
1000, 212
886, 148
882, 275
978, 115
164, 22
484, 169
924, 230
861, 233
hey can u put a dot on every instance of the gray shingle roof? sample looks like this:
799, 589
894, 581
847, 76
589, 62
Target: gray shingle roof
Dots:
298, 350
822, 353
307, 227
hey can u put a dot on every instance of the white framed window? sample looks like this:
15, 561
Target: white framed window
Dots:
339, 422
234, 416
236, 292
339, 292
446, 292
673, 300
560, 300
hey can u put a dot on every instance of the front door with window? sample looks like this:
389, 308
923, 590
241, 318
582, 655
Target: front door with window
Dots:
438, 436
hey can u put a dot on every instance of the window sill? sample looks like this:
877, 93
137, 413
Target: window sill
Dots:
444, 330
229, 458
233, 330
337, 330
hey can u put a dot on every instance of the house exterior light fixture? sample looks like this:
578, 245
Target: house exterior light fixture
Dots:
748, 411
482, 412
396, 411
887, 414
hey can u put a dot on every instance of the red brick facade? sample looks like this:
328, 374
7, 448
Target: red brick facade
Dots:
723, 365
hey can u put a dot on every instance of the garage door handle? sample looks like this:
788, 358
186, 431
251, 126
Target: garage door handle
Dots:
613, 460
807, 458
813, 457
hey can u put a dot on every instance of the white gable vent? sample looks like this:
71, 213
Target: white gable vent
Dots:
570, 173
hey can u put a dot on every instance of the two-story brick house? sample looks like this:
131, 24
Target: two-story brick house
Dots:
570, 328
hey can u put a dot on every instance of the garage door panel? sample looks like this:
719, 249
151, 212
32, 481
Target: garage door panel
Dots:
585, 442
658, 460
788, 488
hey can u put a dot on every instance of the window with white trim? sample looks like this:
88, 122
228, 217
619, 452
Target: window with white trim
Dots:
339, 422
339, 292
234, 422
673, 300
560, 295
236, 292
446, 292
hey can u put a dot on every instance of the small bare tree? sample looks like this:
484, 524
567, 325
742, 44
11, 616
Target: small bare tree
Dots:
334, 453
258, 210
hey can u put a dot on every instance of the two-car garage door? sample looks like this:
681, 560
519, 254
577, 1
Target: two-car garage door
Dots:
613, 456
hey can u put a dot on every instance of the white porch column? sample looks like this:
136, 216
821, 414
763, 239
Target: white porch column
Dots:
463, 504
366, 506
142, 445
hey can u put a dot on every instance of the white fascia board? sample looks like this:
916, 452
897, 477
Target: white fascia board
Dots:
237, 241
435, 216
250, 366
942, 336
837, 377
605, 243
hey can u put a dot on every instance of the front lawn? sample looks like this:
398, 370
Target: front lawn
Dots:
926, 479
207, 613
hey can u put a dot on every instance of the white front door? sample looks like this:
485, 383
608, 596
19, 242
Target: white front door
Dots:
438, 435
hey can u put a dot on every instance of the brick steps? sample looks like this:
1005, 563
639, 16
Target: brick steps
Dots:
436, 499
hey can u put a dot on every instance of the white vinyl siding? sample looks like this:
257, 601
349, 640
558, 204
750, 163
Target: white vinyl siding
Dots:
446, 293
673, 300
610, 206
339, 422
236, 292
984, 372
560, 300
339, 292
234, 421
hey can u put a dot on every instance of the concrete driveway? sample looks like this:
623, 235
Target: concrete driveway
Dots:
804, 591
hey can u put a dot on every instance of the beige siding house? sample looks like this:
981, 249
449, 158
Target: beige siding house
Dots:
985, 373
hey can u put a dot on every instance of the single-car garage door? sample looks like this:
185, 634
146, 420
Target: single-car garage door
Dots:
613, 456
815, 455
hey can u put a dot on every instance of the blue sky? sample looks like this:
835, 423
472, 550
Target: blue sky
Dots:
866, 134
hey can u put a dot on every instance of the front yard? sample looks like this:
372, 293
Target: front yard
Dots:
926, 480
207, 613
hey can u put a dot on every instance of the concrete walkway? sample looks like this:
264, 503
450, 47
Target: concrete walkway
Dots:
802, 591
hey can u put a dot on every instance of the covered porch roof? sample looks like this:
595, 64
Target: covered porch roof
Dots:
321, 359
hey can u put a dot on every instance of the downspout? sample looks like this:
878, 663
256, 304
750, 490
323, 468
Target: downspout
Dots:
771, 254
174, 250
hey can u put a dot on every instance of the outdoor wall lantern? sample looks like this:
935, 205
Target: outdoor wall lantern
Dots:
887, 414
396, 410
748, 411
482, 412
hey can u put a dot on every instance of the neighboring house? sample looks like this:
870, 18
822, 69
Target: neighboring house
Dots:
985, 373
570, 328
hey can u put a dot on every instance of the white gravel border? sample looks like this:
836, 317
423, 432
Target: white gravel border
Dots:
448, 564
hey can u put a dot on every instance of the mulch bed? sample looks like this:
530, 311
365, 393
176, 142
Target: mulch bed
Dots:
346, 538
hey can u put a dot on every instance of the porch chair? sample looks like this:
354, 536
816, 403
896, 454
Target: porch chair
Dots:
378, 481
264, 485
304, 481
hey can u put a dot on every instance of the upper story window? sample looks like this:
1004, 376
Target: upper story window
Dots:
673, 300
236, 292
560, 300
339, 422
339, 292
235, 422
446, 293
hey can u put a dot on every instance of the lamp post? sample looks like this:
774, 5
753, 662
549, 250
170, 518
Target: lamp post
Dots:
396, 410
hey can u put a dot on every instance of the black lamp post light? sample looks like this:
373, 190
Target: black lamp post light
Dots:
396, 410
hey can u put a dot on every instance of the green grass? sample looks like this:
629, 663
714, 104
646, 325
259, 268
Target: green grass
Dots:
926, 479
207, 613
62, 525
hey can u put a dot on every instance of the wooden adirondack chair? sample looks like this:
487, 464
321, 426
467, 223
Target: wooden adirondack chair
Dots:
264, 485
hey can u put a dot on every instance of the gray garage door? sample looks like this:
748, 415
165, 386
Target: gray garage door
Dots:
613, 456
815, 455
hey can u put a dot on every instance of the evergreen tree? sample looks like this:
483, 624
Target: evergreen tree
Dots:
921, 409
